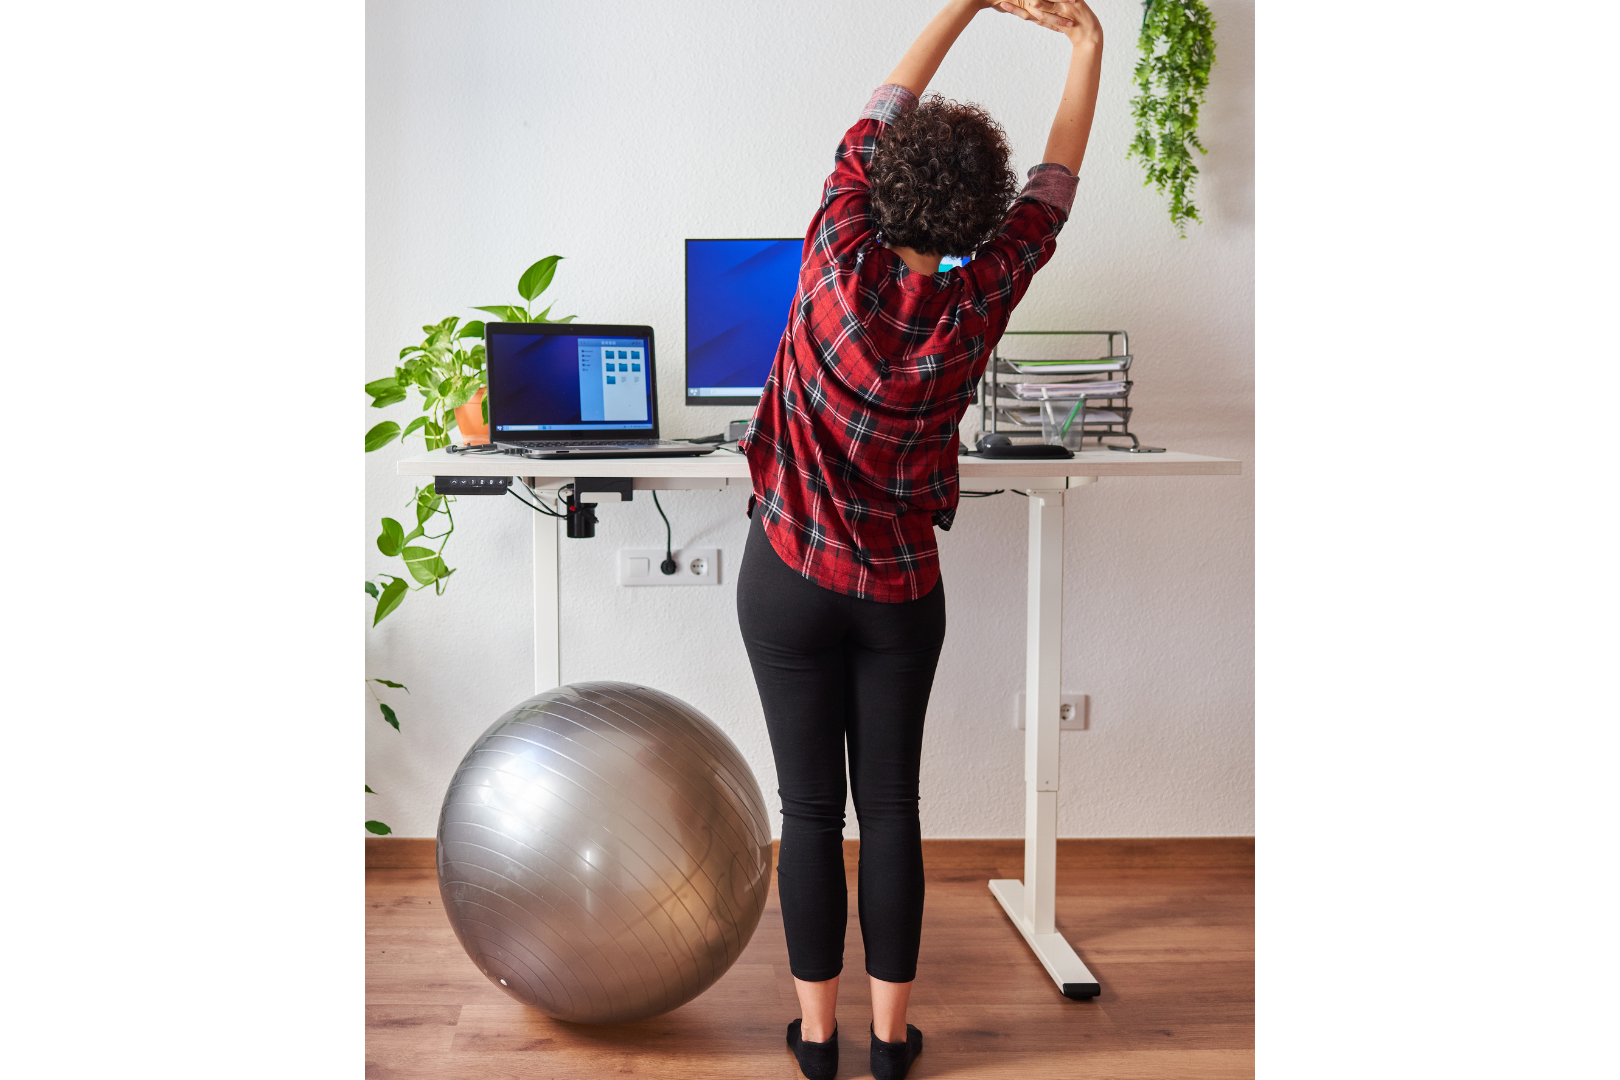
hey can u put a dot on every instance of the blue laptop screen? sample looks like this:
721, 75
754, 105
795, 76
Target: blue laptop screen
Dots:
564, 382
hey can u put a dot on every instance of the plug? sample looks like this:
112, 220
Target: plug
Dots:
668, 566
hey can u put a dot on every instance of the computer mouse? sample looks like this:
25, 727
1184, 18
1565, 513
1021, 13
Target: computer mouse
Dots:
993, 438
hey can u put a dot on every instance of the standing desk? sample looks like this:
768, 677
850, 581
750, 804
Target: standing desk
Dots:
1031, 904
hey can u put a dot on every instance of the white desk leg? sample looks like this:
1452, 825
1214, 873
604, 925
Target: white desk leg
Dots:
547, 606
1032, 903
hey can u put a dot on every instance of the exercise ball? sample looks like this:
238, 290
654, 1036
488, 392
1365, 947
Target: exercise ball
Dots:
603, 852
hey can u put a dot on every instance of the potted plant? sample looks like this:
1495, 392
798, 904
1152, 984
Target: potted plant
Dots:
446, 371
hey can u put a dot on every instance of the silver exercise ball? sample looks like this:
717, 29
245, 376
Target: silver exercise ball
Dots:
603, 852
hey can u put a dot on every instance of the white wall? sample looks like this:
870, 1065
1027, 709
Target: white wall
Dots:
501, 132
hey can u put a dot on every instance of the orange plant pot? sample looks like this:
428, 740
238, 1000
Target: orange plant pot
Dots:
470, 420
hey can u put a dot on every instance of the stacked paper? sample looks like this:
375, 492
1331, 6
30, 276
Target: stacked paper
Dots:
1067, 391
1070, 367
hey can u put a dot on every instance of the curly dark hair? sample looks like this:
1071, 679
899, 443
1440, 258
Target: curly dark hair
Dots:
940, 179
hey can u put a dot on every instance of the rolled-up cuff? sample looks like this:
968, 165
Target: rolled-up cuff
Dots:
889, 103
1052, 184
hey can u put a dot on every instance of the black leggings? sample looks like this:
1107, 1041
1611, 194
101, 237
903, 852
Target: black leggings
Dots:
832, 667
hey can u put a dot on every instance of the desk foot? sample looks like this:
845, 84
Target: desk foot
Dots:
1073, 979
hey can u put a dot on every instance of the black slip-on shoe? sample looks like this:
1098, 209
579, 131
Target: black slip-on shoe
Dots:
817, 1060
892, 1060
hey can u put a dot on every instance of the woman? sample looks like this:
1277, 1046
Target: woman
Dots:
853, 456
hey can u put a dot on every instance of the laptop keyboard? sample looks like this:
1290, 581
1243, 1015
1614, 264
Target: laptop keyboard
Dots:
602, 444
595, 444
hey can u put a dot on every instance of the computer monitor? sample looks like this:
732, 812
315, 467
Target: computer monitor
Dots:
738, 295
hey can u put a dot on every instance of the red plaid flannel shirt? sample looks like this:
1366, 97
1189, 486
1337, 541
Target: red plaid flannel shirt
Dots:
853, 448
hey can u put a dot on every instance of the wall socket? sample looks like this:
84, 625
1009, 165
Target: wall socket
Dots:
693, 566
1073, 715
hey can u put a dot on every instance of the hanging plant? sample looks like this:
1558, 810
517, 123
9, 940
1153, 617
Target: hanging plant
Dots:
1178, 49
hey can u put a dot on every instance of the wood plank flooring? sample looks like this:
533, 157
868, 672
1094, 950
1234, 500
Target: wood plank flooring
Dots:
1172, 946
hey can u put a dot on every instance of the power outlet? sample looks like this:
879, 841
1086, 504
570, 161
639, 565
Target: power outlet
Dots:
693, 566
1073, 711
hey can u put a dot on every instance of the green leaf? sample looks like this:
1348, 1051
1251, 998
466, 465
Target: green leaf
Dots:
371, 589
425, 565
427, 504
485, 406
473, 329
381, 435
395, 685
412, 426
441, 330
392, 594
537, 278
388, 715
385, 392
392, 538
369, 791
506, 313
460, 394
570, 318
378, 828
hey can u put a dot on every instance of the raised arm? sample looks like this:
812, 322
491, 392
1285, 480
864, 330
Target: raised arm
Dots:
1071, 128
916, 68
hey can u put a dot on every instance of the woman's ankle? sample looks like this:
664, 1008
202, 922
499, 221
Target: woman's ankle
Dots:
889, 1001
817, 1034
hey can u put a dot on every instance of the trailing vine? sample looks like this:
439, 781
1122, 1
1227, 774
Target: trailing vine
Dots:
1178, 49
446, 373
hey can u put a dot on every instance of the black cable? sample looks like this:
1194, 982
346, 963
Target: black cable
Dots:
536, 506
981, 494
532, 505
668, 565
1015, 491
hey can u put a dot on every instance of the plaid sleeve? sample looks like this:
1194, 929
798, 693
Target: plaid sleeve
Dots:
845, 215
1002, 269
889, 103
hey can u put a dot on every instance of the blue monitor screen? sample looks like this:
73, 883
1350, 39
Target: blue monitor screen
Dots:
738, 295
545, 381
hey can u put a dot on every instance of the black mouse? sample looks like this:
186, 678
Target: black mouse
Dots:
993, 438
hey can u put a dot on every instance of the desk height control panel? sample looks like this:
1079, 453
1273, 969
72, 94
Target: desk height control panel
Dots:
471, 485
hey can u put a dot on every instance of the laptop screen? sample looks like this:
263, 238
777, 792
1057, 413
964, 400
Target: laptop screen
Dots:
566, 381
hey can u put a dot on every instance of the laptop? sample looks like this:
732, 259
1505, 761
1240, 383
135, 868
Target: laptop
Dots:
560, 390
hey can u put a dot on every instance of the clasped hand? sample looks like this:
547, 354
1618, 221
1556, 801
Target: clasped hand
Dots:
1071, 18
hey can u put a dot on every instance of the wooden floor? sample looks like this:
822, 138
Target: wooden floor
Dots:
1172, 946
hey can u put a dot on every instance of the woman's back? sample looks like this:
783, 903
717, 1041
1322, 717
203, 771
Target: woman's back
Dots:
853, 448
